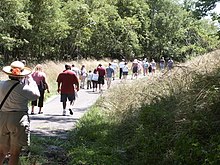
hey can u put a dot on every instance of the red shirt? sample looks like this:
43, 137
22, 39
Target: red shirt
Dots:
67, 79
101, 71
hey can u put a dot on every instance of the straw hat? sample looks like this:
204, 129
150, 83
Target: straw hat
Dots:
17, 69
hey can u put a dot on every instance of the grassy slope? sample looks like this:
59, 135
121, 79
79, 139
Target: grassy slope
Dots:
173, 121
170, 120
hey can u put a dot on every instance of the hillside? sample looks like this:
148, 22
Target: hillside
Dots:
170, 119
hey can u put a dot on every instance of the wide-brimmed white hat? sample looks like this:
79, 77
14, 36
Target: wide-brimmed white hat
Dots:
17, 69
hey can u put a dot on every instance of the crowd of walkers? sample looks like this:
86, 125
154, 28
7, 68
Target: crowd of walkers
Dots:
26, 85
95, 79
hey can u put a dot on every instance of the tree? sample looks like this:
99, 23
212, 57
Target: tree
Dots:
49, 28
13, 21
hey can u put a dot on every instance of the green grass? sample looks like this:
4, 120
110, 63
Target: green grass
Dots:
173, 120
172, 130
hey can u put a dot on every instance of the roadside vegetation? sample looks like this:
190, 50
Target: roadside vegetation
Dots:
172, 119
168, 119
75, 29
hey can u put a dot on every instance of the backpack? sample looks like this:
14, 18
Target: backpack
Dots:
146, 65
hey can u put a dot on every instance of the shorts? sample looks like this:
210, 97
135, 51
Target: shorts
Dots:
14, 129
125, 73
101, 80
135, 69
70, 97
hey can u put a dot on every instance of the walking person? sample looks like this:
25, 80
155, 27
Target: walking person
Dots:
40, 78
67, 81
76, 70
145, 67
14, 119
125, 71
121, 65
170, 64
83, 75
162, 64
101, 80
153, 66
134, 69
109, 75
89, 80
95, 77
114, 66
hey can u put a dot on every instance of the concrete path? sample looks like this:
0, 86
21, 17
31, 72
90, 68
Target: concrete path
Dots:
53, 123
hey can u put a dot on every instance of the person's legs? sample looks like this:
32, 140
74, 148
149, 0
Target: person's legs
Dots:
108, 82
33, 104
120, 73
100, 86
71, 107
64, 108
63, 99
71, 98
64, 104
88, 84
3, 152
41, 101
83, 82
93, 85
14, 155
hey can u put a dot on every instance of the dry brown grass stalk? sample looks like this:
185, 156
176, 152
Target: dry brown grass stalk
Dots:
124, 99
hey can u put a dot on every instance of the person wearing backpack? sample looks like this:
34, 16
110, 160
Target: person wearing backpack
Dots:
145, 67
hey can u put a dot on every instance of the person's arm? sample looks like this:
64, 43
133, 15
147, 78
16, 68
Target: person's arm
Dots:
76, 82
58, 87
46, 84
113, 73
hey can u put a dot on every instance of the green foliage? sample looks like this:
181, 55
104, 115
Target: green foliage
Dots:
13, 20
91, 133
64, 30
179, 124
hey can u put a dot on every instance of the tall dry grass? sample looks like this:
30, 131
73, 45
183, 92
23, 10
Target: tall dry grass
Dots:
126, 98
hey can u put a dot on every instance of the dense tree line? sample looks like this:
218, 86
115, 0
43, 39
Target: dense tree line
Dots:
38, 30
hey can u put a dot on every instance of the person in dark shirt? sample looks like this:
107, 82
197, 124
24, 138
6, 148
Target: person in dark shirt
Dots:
66, 81
101, 80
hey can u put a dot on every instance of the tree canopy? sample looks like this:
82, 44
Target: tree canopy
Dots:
69, 29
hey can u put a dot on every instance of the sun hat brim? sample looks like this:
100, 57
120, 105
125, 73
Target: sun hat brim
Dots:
26, 71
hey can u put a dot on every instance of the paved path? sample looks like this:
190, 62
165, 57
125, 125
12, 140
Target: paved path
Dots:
53, 123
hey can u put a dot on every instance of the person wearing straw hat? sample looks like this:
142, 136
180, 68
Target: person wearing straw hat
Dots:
14, 119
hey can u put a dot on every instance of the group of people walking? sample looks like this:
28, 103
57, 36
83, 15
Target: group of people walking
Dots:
143, 67
94, 79
25, 85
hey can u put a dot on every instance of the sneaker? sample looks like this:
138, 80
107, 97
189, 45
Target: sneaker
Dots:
71, 112
64, 112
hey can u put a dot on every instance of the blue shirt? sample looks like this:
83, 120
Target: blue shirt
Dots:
109, 72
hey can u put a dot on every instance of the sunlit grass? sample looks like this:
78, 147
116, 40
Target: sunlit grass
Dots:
160, 120
140, 119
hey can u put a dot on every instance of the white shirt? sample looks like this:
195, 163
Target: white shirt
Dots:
89, 77
76, 71
114, 66
125, 68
